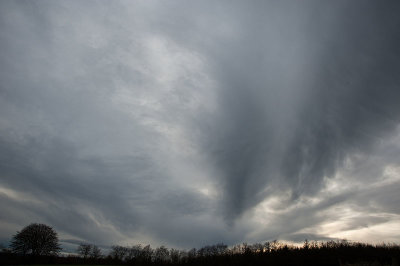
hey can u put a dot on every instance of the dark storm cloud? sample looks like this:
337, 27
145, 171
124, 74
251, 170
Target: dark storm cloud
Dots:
291, 119
66, 145
87, 192
170, 122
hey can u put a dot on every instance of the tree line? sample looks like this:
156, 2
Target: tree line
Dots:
38, 243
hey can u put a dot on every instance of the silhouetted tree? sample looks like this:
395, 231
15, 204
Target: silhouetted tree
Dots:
95, 252
306, 244
36, 239
270, 253
258, 248
133, 252
146, 254
192, 253
220, 249
175, 255
119, 252
161, 254
84, 250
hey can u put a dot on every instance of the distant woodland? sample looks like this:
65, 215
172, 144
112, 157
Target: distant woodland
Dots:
268, 253
39, 244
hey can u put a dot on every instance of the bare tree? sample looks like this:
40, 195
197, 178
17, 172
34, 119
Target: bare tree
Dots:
95, 252
36, 239
119, 252
192, 253
175, 255
220, 248
84, 250
134, 252
146, 253
161, 254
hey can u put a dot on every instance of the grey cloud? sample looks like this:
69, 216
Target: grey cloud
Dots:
281, 126
107, 115
86, 193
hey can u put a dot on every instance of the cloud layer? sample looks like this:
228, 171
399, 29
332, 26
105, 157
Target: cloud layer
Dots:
187, 124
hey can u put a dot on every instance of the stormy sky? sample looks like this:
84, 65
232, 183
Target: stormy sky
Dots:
186, 123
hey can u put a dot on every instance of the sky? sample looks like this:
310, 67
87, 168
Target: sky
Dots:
187, 123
